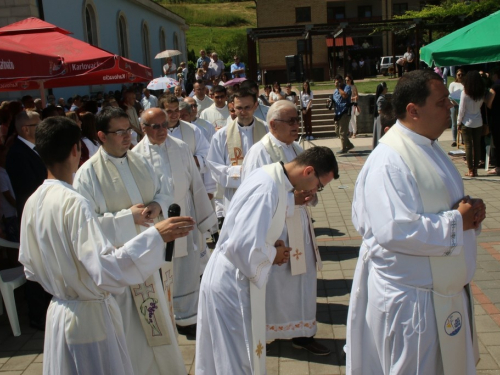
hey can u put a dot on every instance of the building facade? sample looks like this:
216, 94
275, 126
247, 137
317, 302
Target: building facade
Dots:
136, 29
272, 51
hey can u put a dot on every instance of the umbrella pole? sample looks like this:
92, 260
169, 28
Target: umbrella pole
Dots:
42, 94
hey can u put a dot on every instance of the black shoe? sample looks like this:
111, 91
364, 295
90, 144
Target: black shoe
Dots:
37, 325
311, 346
220, 221
215, 237
187, 330
350, 147
454, 144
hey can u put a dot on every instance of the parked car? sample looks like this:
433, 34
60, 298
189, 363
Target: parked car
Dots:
385, 64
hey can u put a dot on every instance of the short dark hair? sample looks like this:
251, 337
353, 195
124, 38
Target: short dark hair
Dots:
338, 76
387, 116
55, 137
163, 99
412, 87
245, 93
104, 117
49, 111
321, 159
168, 99
249, 84
199, 81
219, 88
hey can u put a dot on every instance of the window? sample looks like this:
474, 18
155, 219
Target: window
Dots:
91, 25
176, 46
146, 51
365, 11
334, 13
399, 8
122, 36
303, 46
303, 14
163, 45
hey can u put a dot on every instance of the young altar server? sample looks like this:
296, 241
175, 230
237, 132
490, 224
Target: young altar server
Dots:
65, 249
231, 335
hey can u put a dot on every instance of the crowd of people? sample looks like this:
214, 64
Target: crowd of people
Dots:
90, 184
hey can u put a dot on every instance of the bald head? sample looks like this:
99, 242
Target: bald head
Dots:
26, 122
154, 124
194, 106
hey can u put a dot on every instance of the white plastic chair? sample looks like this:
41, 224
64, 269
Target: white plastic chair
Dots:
9, 280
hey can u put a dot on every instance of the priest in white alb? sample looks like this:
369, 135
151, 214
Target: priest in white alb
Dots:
125, 193
173, 163
411, 309
231, 337
189, 113
231, 143
290, 315
218, 111
65, 248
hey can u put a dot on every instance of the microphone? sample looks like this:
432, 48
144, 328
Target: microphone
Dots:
173, 211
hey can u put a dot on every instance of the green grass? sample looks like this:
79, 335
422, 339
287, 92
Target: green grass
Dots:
368, 87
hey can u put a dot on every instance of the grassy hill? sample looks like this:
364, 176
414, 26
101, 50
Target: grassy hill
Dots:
217, 27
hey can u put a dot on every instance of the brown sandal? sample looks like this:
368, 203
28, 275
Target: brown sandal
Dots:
470, 173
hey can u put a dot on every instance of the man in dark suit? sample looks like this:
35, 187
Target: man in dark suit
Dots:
27, 172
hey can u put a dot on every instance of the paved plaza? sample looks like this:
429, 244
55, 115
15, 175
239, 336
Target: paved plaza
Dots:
339, 243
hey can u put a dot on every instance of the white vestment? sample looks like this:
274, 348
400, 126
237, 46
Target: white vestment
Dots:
203, 104
120, 227
261, 112
201, 148
173, 162
242, 256
223, 172
207, 127
391, 325
64, 248
293, 313
213, 113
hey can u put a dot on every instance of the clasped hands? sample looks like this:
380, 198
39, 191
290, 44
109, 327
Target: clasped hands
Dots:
473, 212
282, 253
144, 215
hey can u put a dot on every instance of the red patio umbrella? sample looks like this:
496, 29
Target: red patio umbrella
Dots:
84, 63
17, 62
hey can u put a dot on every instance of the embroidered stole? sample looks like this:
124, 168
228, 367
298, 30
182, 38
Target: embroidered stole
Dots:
258, 296
234, 142
116, 197
294, 223
448, 272
188, 135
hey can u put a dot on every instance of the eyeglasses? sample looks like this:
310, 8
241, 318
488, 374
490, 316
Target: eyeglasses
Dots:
320, 185
121, 132
219, 96
157, 126
293, 121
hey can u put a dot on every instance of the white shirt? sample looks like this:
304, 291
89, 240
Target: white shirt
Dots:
151, 102
306, 98
214, 113
203, 104
217, 67
172, 67
469, 111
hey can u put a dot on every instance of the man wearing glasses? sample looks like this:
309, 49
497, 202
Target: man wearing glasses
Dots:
27, 172
179, 177
238, 68
125, 193
296, 308
218, 110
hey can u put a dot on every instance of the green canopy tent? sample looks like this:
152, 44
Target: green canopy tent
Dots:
473, 44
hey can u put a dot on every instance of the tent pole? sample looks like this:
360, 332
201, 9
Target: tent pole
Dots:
42, 94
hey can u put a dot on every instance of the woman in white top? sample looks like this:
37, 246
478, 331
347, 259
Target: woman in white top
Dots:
353, 126
170, 69
277, 94
306, 97
455, 86
470, 120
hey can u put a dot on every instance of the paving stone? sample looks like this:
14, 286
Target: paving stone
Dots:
34, 369
20, 361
